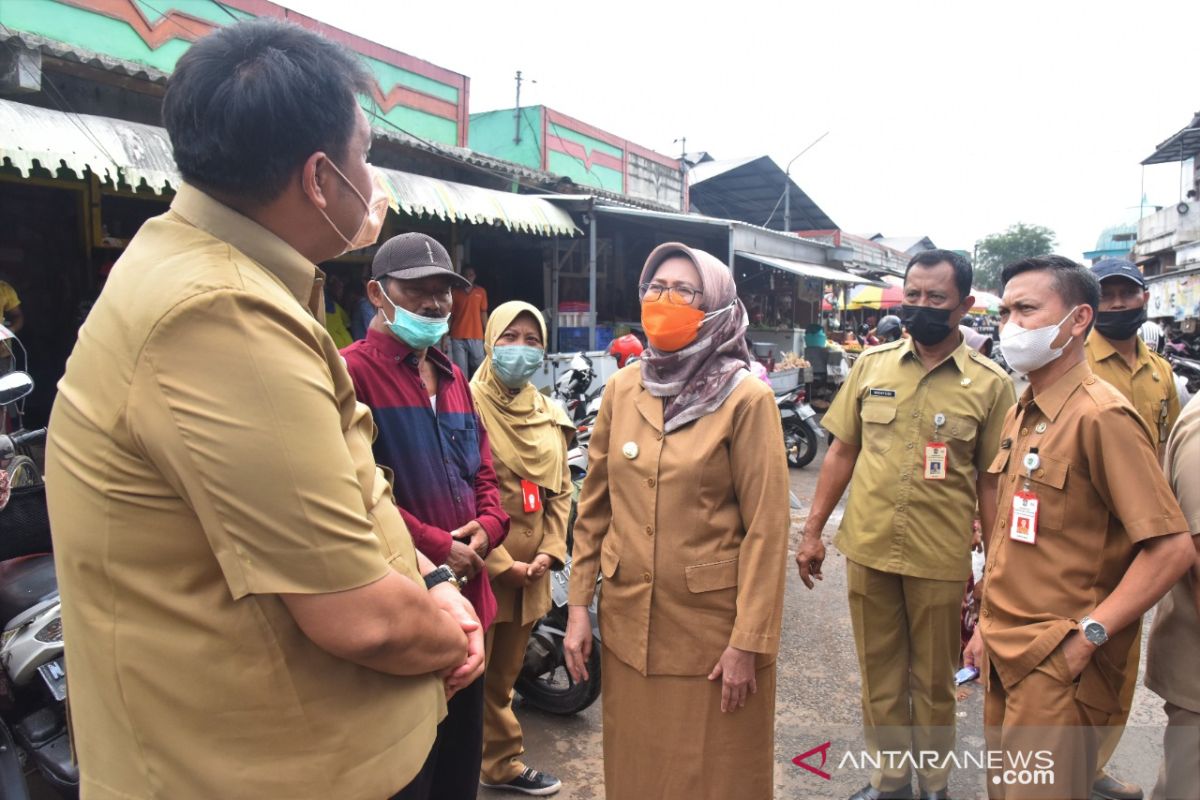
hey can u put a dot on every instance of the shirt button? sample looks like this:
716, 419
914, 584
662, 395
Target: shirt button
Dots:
649, 531
899, 508
987, 612
1040, 472
658, 436
646, 577
650, 482
529, 533
916, 414
909, 445
1024, 431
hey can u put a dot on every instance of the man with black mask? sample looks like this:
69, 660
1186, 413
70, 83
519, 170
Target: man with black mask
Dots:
915, 427
1118, 355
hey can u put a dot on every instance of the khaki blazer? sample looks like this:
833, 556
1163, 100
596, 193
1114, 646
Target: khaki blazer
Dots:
690, 529
529, 536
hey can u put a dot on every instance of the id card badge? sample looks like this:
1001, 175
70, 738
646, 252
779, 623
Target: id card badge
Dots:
1024, 525
936, 456
531, 496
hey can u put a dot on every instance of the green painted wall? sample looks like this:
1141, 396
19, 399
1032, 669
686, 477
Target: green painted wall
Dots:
112, 37
492, 132
576, 170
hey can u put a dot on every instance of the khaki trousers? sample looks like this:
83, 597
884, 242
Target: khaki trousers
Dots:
1041, 715
1179, 776
907, 634
1111, 736
503, 743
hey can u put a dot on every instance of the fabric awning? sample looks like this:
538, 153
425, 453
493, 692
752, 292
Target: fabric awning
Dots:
808, 270
115, 150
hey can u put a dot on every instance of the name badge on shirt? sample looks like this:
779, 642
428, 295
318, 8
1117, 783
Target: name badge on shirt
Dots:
936, 458
882, 392
531, 496
1024, 526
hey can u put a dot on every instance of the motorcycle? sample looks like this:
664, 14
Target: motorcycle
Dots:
544, 682
1188, 369
34, 735
801, 433
573, 389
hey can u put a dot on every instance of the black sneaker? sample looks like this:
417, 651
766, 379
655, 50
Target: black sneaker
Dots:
529, 782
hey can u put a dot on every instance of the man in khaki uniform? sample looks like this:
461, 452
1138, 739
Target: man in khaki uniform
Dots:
243, 610
1088, 537
1118, 355
1174, 647
914, 426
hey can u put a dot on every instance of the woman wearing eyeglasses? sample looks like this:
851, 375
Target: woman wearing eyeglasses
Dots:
685, 513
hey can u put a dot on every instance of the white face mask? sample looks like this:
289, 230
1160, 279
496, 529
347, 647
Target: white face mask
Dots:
1029, 349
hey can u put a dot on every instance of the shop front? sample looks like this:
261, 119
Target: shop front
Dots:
75, 188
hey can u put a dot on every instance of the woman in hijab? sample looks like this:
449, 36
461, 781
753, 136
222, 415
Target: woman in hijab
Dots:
685, 513
529, 436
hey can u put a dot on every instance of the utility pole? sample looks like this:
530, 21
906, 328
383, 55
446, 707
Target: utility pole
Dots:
517, 112
787, 184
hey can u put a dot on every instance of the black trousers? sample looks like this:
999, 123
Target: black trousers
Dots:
451, 772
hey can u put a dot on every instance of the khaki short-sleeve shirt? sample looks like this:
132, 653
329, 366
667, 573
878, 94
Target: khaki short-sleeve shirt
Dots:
1100, 491
1174, 648
206, 453
1149, 386
896, 520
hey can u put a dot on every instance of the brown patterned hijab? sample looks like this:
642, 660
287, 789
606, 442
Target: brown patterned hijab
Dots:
696, 380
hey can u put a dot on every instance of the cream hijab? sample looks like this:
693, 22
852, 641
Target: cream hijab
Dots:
527, 431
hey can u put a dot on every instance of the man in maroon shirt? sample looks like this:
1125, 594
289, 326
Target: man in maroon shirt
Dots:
445, 486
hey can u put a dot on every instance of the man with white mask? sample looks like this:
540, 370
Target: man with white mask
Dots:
1088, 537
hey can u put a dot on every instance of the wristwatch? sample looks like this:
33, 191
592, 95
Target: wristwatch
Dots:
444, 574
1093, 631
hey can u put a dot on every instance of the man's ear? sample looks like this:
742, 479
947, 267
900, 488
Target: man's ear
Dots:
375, 294
313, 180
1081, 319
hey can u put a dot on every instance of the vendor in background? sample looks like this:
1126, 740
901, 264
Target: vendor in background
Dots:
337, 321
14, 320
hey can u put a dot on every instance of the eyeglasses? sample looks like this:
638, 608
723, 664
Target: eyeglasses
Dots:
677, 295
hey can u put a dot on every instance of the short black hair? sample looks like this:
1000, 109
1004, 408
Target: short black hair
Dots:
1074, 283
250, 102
963, 273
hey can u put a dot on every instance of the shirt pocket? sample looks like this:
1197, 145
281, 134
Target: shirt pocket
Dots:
462, 438
959, 435
710, 577
878, 419
1049, 483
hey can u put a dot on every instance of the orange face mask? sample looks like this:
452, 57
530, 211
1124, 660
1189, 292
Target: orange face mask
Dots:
670, 327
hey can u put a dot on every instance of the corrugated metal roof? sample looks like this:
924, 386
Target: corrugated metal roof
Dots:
421, 195
110, 148
809, 270
80, 55
1183, 145
132, 152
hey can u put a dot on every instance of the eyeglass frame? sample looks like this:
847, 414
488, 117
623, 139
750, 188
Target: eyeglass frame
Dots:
673, 293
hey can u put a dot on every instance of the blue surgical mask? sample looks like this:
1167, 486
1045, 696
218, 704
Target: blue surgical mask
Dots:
514, 364
414, 330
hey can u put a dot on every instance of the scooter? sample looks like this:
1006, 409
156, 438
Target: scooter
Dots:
1188, 369
801, 433
544, 682
34, 736
573, 389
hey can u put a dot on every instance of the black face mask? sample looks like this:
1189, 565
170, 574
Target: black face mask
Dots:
1120, 325
928, 326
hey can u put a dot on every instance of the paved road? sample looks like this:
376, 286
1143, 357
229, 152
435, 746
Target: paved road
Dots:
817, 701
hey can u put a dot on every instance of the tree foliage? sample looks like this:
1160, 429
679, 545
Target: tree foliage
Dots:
995, 251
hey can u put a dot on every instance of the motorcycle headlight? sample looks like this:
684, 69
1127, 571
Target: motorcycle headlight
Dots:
51, 633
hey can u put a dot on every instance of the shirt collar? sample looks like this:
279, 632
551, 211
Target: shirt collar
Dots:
959, 355
1103, 349
294, 271
1051, 401
392, 348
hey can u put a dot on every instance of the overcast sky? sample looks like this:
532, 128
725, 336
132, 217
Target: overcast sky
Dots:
948, 119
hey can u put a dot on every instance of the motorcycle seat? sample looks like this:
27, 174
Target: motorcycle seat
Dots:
25, 582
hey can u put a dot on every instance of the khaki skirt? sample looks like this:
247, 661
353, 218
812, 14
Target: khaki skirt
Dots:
665, 737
